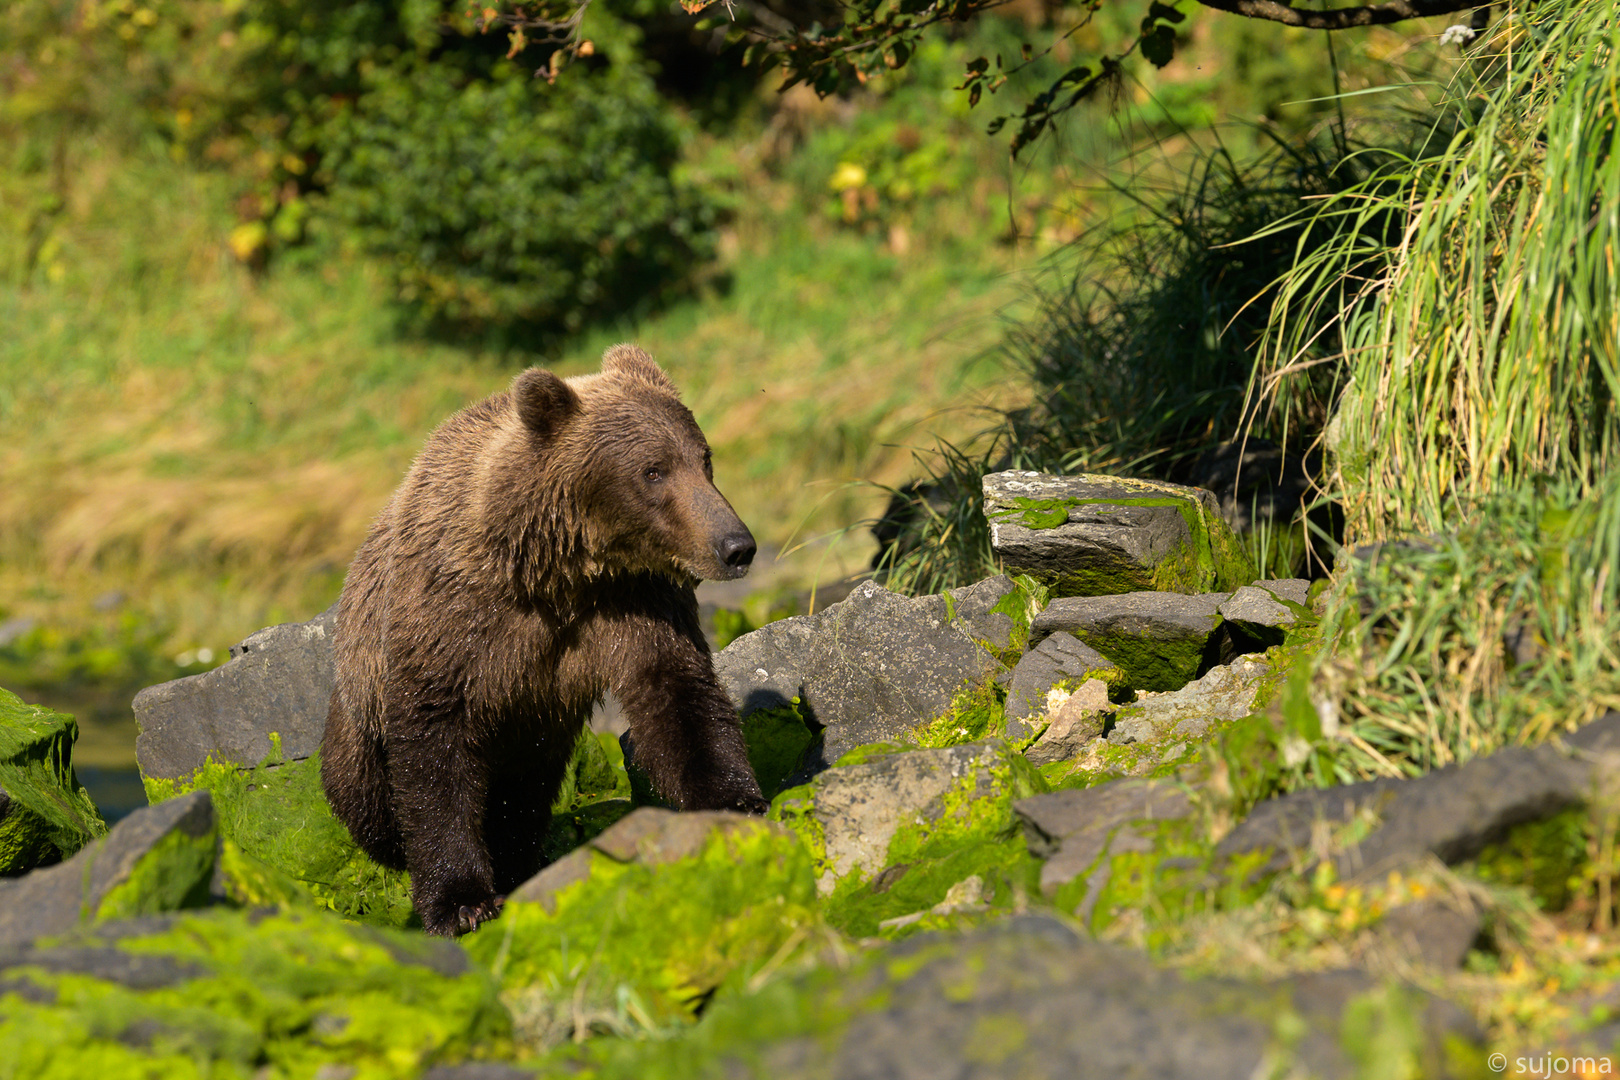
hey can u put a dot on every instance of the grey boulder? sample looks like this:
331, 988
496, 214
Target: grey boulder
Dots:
1090, 535
1451, 813
1158, 640
130, 871
277, 680
866, 670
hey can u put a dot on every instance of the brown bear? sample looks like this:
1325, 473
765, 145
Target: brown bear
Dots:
542, 550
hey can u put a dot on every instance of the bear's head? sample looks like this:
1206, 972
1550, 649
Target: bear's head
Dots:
630, 459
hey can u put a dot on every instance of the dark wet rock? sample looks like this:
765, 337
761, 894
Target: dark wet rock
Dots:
1431, 932
1221, 695
159, 858
1073, 829
1159, 640
1451, 813
866, 670
1097, 535
1029, 998
1060, 657
278, 679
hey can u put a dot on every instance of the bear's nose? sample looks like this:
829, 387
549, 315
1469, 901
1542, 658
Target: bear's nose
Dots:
737, 550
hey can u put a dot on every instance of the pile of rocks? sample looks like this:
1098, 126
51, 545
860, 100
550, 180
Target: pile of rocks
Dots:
919, 818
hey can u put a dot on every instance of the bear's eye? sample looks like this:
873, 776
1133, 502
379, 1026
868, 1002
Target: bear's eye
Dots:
653, 474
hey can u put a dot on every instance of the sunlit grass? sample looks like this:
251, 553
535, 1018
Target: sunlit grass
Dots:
211, 444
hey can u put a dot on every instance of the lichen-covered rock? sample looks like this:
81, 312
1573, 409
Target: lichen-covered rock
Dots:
893, 829
278, 679
1222, 694
223, 993
1091, 535
866, 670
158, 859
45, 815
670, 906
1073, 831
281, 844
1079, 718
1059, 658
1028, 997
1159, 640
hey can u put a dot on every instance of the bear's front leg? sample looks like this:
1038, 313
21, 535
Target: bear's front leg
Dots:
440, 785
687, 737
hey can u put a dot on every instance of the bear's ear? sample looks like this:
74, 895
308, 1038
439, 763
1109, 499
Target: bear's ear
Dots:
544, 402
632, 361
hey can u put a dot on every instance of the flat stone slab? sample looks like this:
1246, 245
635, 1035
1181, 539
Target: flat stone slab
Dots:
107, 878
1158, 640
1451, 813
1257, 612
1028, 997
278, 679
1060, 657
1089, 535
867, 670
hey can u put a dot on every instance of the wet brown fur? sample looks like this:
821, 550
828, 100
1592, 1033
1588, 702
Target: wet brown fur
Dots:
542, 550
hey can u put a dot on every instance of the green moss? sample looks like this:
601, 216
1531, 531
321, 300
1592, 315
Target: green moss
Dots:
672, 933
283, 844
51, 816
977, 712
1548, 857
971, 831
1155, 892
1027, 599
272, 996
1146, 664
172, 875
777, 740
1383, 1035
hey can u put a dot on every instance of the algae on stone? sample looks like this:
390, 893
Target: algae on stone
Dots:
282, 843
945, 815
223, 993
672, 934
45, 815
1205, 555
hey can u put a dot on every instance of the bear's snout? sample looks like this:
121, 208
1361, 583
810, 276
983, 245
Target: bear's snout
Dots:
736, 552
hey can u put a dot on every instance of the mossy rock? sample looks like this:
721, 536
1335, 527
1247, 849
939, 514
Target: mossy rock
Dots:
1030, 997
281, 844
45, 815
223, 993
893, 830
665, 908
1093, 535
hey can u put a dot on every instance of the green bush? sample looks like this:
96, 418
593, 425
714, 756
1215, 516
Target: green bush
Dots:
508, 199
495, 198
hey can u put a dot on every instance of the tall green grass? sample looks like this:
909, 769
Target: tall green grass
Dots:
1477, 352
1480, 352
